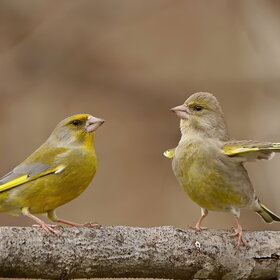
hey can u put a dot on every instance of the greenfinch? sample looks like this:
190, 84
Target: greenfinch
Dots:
57, 172
209, 165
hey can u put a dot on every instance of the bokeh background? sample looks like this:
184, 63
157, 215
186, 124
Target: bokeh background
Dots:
129, 61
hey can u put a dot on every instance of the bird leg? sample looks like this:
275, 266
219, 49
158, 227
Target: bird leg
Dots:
238, 233
52, 216
41, 223
198, 226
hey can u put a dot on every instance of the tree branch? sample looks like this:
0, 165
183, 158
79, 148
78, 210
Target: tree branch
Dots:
162, 252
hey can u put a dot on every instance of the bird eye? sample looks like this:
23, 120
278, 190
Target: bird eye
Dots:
198, 108
76, 122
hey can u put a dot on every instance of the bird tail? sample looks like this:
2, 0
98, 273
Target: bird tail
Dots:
267, 215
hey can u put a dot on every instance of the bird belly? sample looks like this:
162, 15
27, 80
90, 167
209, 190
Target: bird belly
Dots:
49, 192
212, 194
212, 184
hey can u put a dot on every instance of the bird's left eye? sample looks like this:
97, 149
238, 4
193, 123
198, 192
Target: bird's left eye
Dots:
198, 108
76, 122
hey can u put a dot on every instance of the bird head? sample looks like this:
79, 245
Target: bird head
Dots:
76, 130
202, 113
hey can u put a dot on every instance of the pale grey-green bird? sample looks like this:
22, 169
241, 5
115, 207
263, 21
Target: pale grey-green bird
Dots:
209, 165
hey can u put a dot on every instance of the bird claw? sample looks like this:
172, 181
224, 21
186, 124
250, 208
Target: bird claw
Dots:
241, 240
49, 228
52, 226
91, 225
197, 228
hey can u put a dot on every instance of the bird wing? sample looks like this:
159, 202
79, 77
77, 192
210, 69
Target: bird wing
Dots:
33, 168
27, 173
251, 150
169, 153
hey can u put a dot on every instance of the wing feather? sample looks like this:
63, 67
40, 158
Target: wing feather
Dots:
169, 153
251, 150
13, 179
44, 161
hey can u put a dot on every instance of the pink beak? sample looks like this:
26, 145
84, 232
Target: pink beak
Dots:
93, 123
181, 111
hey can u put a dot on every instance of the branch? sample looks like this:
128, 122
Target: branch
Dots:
162, 252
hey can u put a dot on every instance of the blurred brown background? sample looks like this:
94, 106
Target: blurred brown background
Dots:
129, 61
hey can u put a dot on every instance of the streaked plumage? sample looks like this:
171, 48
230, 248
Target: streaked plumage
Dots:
209, 165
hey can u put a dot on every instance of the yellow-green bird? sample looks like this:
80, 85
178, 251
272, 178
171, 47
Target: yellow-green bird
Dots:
57, 172
209, 165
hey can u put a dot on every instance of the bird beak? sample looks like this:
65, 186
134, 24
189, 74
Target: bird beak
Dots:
181, 111
93, 123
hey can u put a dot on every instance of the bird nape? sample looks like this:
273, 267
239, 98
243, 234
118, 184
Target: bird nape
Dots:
209, 165
57, 172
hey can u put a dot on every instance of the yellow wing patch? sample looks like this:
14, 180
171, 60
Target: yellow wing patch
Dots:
235, 149
22, 179
15, 182
251, 150
231, 151
169, 153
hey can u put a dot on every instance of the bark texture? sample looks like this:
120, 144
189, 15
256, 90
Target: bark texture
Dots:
162, 252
